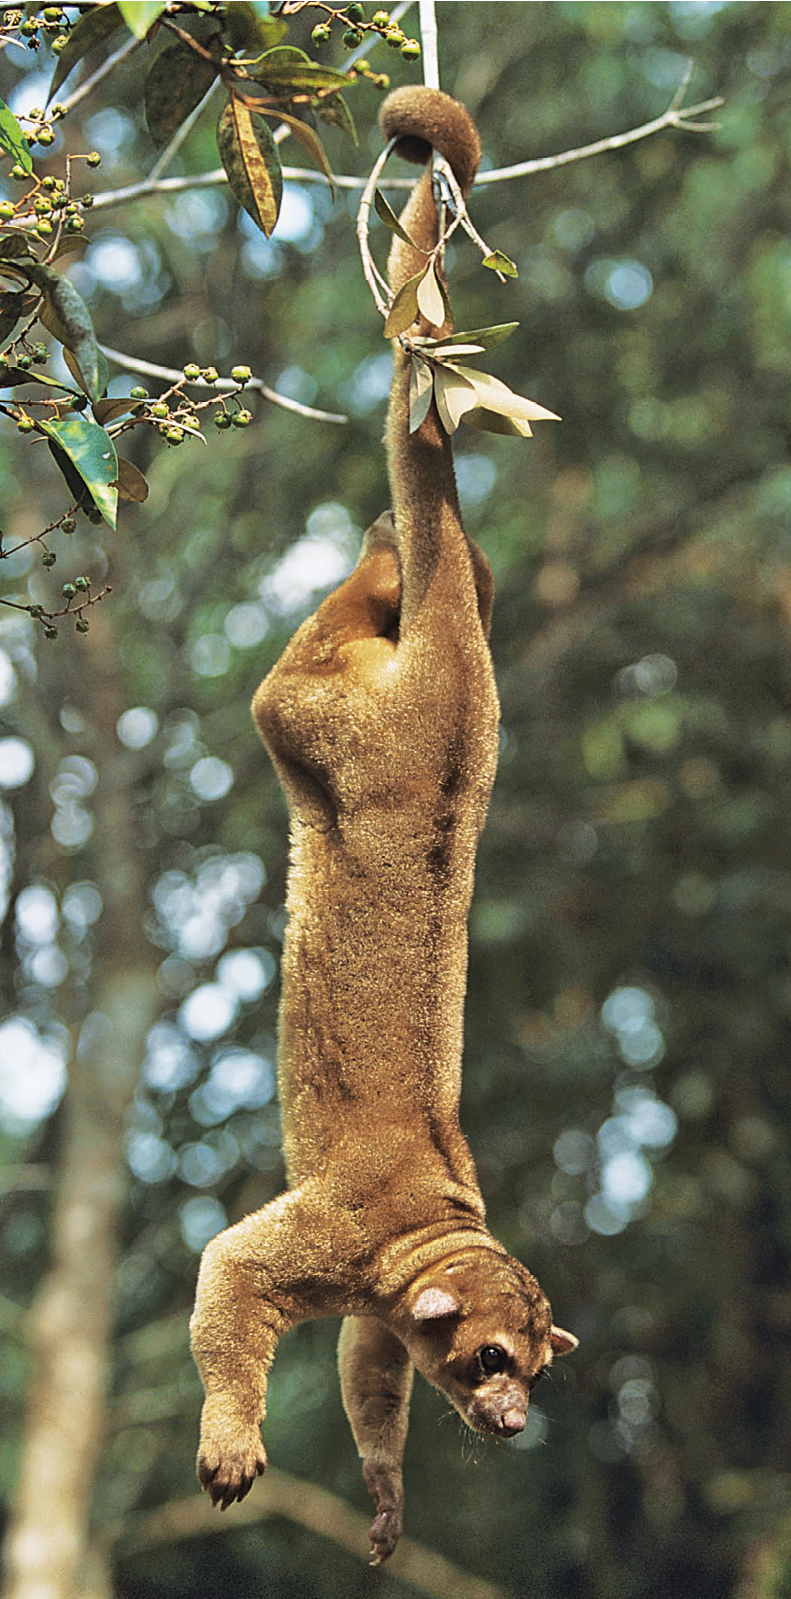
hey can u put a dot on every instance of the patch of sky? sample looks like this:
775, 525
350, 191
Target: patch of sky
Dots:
32, 1074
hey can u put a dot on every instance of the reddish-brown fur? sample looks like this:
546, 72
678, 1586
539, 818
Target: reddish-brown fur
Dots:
381, 718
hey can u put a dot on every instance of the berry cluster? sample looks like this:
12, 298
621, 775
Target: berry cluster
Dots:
355, 23
176, 416
50, 23
49, 204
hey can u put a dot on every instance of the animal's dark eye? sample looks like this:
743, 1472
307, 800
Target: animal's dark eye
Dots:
493, 1359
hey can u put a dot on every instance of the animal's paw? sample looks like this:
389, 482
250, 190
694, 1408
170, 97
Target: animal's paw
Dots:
230, 1457
384, 1486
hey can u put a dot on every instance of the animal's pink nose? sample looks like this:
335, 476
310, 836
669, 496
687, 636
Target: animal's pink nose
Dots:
513, 1421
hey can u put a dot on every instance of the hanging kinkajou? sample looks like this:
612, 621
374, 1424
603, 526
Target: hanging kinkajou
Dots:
381, 718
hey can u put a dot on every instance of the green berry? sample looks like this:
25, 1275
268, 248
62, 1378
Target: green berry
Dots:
18, 173
351, 38
50, 632
241, 374
68, 524
355, 12
86, 201
159, 410
174, 435
381, 19
25, 361
138, 393
209, 374
7, 210
68, 591
94, 159
36, 611
46, 136
410, 50
44, 228
395, 38
82, 584
30, 26
82, 625
74, 224
321, 33
25, 425
192, 372
222, 420
242, 419
41, 205
59, 43
40, 354
53, 13
94, 515
48, 558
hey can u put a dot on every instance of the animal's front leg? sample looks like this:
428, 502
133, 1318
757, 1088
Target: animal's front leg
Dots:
247, 1297
376, 1382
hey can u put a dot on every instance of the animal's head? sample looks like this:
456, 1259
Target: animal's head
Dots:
480, 1329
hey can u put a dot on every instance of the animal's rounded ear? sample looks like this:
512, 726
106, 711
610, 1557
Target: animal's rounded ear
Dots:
433, 1303
562, 1343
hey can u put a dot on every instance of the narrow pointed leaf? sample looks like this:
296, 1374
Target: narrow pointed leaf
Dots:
430, 298
249, 154
293, 77
404, 309
176, 83
455, 350
421, 388
486, 337
92, 28
311, 142
140, 15
15, 376
250, 28
92, 453
109, 410
12, 139
387, 215
501, 263
130, 482
70, 322
454, 396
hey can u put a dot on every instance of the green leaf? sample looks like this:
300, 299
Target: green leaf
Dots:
421, 389
501, 263
486, 337
13, 246
11, 305
12, 139
249, 154
288, 78
70, 322
15, 376
176, 83
92, 453
387, 215
249, 28
140, 15
404, 309
92, 28
310, 142
333, 109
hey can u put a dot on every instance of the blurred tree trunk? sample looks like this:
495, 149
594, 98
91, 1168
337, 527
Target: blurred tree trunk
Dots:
49, 1553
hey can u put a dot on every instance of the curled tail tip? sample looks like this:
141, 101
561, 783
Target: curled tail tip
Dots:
423, 119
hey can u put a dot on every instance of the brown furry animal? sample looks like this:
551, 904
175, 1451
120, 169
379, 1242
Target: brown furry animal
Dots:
381, 718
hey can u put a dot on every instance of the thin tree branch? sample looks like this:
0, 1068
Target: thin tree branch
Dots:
181, 133
673, 117
370, 272
317, 1511
169, 374
429, 44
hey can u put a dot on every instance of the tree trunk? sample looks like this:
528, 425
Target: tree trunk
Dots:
49, 1553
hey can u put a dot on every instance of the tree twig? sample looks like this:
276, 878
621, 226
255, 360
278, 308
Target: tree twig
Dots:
108, 66
318, 1511
169, 374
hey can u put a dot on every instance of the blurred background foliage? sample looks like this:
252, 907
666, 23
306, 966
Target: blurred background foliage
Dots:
628, 1024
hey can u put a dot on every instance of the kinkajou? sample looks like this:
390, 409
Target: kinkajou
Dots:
381, 718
